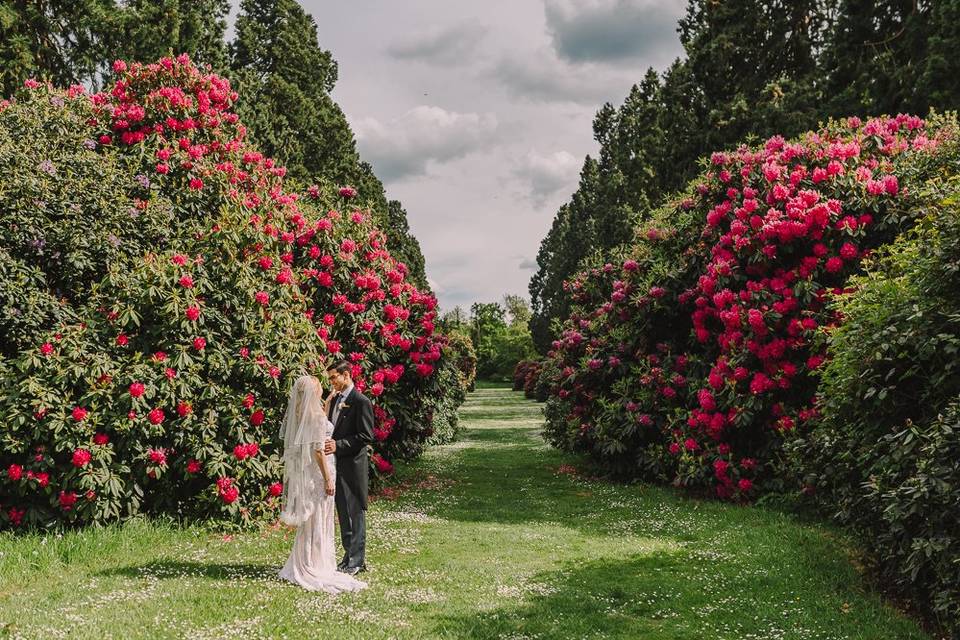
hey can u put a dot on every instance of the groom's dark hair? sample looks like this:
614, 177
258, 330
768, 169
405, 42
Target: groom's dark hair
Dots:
341, 366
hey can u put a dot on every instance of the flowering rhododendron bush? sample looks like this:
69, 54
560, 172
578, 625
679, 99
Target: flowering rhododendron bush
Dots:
69, 206
690, 360
163, 387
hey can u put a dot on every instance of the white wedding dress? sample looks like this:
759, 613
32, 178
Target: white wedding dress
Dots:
312, 563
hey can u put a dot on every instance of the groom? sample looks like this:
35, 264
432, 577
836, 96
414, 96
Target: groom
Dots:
352, 416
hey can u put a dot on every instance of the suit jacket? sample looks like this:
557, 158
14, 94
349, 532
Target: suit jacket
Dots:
353, 432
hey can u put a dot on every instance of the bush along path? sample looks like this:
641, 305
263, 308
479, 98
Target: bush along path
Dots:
493, 536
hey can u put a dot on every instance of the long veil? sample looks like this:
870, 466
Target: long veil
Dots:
304, 426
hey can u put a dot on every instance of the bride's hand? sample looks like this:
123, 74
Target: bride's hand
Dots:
330, 488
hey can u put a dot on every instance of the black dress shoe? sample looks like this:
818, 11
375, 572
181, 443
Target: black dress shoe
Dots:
352, 571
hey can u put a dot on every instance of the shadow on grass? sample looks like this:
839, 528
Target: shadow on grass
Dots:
672, 597
505, 476
171, 569
622, 599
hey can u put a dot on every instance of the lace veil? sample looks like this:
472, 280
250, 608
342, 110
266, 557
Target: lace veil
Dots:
304, 430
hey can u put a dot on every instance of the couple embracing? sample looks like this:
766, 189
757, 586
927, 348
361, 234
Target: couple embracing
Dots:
326, 465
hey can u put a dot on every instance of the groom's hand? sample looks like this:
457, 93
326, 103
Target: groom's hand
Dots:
330, 446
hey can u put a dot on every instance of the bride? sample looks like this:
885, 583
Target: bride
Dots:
309, 479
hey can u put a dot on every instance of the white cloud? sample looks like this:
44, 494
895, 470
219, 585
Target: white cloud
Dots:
545, 175
453, 45
615, 30
407, 146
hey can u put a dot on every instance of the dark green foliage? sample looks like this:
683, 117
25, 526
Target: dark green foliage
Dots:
403, 245
74, 41
443, 407
56, 40
884, 458
151, 29
285, 77
892, 55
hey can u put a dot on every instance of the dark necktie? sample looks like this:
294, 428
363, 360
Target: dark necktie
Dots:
336, 408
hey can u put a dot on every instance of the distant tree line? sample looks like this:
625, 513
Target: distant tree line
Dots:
499, 332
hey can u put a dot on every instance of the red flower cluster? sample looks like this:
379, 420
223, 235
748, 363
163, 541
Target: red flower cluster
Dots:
81, 458
312, 271
227, 491
717, 355
248, 450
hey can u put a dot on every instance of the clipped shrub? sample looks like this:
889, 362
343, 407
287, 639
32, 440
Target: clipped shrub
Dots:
691, 361
443, 405
465, 356
545, 378
884, 458
163, 387
530, 380
520, 372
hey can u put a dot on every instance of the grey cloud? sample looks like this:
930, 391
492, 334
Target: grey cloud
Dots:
449, 46
614, 30
528, 265
545, 175
406, 146
545, 78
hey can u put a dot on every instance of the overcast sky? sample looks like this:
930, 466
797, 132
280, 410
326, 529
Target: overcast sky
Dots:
477, 115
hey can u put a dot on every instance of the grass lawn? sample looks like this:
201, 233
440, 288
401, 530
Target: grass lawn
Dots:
494, 536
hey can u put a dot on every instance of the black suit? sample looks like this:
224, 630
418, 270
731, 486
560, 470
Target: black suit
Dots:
353, 432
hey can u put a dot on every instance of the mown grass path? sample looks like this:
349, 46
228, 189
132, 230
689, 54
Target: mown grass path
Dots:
491, 537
